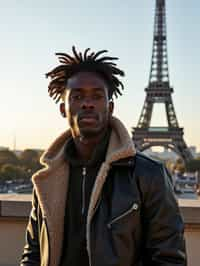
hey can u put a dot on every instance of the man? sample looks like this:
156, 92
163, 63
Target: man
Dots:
97, 202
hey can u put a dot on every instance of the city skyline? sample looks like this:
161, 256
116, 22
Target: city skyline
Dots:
32, 33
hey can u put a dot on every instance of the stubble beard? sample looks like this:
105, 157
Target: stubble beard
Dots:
87, 134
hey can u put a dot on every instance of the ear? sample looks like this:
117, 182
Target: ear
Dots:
111, 107
62, 109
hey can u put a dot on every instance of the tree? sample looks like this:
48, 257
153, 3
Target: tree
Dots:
30, 160
12, 172
179, 166
193, 165
8, 157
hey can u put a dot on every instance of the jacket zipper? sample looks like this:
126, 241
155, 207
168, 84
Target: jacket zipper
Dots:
134, 207
83, 190
83, 204
89, 251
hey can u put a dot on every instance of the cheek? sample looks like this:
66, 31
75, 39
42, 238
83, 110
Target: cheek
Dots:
105, 114
70, 110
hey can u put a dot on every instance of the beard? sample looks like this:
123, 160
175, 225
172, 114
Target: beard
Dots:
87, 125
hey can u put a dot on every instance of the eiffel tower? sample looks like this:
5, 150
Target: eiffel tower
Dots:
160, 91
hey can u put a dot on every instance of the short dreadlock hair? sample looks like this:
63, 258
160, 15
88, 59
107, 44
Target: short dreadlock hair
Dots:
79, 62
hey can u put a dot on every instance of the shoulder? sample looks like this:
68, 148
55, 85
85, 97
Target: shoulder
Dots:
151, 175
150, 168
145, 165
144, 159
142, 164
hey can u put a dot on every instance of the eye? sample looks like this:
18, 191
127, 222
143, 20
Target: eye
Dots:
76, 97
98, 96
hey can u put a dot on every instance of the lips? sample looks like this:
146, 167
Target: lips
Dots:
88, 118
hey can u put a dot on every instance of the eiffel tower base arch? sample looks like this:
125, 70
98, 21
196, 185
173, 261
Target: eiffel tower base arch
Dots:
170, 138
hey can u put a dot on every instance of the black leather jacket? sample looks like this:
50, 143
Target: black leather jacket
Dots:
136, 222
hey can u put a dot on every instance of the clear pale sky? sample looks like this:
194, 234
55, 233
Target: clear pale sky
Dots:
32, 31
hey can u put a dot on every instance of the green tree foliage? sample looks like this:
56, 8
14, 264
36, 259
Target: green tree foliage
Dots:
193, 165
12, 172
30, 160
179, 166
14, 167
8, 157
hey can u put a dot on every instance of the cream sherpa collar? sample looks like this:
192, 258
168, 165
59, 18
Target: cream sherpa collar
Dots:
120, 144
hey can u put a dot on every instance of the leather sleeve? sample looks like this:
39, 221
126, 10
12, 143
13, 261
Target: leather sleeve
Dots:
164, 227
31, 252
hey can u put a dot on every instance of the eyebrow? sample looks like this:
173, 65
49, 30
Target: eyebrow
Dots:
95, 89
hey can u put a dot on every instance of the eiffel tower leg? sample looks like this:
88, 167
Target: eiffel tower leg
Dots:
171, 115
146, 114
182, 150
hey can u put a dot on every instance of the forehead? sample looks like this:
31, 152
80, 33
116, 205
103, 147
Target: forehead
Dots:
87, 80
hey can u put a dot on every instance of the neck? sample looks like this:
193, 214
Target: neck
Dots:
85, 146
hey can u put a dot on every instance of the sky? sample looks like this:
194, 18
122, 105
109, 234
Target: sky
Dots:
32, 31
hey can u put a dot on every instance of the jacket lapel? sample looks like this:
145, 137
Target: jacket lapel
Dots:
120, 147
51, 189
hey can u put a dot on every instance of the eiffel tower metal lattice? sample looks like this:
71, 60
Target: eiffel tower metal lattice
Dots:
159, 91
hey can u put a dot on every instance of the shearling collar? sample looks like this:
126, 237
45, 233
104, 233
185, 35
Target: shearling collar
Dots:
120, 145
51, 183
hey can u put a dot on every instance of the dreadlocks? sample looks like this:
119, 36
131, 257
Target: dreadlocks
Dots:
87, 61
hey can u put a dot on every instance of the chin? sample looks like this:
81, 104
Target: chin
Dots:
89, 133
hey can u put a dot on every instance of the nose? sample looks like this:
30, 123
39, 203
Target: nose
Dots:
87, 103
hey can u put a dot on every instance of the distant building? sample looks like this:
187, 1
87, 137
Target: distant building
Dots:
193, 150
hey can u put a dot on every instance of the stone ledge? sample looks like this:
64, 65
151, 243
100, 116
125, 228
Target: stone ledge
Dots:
14, 205
190, 210
191, 215
19, 205
15, 208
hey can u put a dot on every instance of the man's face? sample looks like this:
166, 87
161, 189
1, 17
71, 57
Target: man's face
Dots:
87, 105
